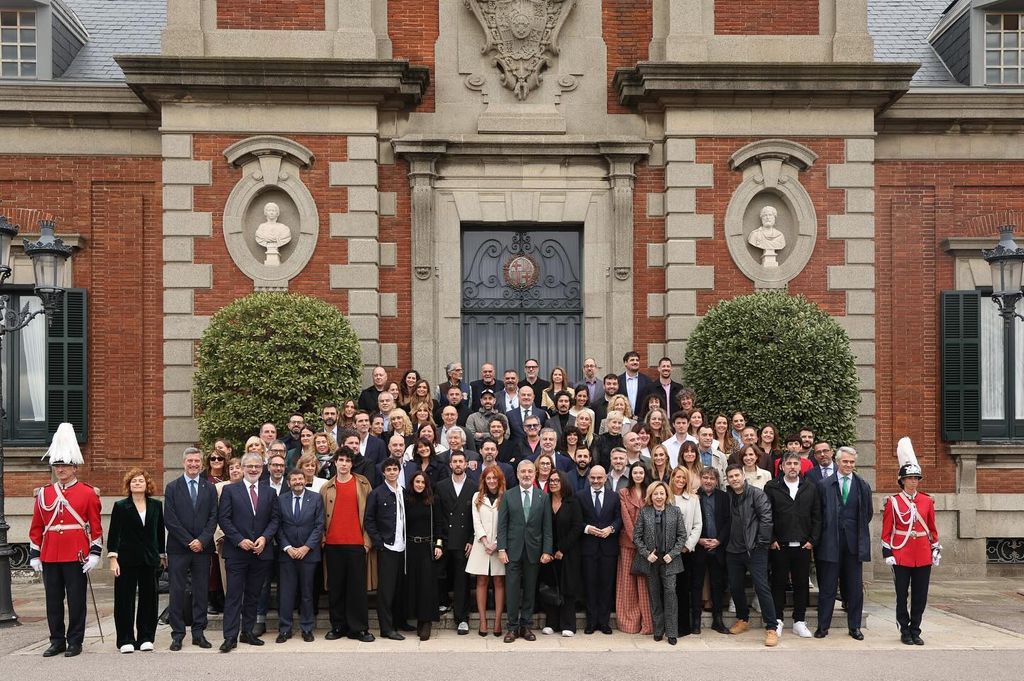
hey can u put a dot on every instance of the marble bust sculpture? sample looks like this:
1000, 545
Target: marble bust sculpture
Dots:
272, 235
767, 237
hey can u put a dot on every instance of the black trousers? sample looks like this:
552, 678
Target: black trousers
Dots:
713, 565
599, 581
182, 569
135, 625
455, 576
390, 573
245, 584
65, 580
346, 586
916, 580
791, 563
558, 617
683, 604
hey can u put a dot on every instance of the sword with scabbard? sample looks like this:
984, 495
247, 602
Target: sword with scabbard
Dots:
95, 608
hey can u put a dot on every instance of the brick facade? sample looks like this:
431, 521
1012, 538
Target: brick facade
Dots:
627, 27
766, 17
413, 29
398, 229
265, 15
647, 279
114, 204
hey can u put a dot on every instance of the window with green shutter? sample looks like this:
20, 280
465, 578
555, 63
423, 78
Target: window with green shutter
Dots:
67, 371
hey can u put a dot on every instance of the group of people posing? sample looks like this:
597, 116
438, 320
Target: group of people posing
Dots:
628, 500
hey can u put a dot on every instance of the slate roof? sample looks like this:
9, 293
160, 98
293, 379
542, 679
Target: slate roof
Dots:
115, 27
900, 30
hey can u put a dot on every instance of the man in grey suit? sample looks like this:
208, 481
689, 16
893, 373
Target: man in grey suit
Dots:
524, 542
298, 535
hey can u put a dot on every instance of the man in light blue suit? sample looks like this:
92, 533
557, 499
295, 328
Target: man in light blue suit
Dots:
298, 535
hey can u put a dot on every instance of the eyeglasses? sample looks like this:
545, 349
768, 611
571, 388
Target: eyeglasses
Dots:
532, 425
533, 366
216, 458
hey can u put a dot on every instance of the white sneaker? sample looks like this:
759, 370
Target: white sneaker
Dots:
127, 648
146, 647
778, 628
463, 627
568, 634
547, 631
801, 630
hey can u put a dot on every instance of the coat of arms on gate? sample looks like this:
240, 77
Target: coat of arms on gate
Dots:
520, 36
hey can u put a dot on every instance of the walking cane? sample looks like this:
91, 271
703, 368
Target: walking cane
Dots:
95, 608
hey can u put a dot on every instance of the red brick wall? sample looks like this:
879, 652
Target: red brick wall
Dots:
397, 229
228, 281
627, 28
918, 205
729, 281
1000, 481
413, 29
267, 15
647, 230
766, 17
114, 204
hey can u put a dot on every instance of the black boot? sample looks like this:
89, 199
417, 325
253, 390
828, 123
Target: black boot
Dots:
424, 631
717, 624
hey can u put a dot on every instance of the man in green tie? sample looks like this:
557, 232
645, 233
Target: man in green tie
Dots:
524, 542
845, 544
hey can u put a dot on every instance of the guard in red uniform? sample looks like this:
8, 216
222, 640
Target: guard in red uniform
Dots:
66, 540
910, 544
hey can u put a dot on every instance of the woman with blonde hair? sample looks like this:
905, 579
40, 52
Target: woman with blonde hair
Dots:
483, 558
309, 466
256, 445
585, 424
325, 447
657, 421
619, 403
400, 423
661, 468
684, 496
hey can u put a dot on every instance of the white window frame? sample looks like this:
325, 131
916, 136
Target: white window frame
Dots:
19, 44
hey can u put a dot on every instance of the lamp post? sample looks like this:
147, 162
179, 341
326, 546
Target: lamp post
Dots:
48, 256
1006, 261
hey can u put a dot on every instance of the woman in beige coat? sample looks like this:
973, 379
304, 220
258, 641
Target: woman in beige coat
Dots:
483, 558
684, 496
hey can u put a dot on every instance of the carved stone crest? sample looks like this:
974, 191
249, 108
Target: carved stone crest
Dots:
521, 34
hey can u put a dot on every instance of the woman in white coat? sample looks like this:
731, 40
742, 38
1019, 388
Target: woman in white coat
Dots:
483, 557
686, 499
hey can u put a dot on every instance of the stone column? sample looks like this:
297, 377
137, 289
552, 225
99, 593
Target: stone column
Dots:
621, 180
422, 174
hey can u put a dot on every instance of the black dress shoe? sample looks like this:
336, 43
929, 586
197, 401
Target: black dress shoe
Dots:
918, 641
333, 635
672, 640
392, 636
525, 633
362, 637
718, 625
281, 638
906, 639
405, 626
175, 645
250, 639
308, 636
856, 635
820, 633
259, 629
657, 639
606, 630
73, 651
56, 649
228, 645
588, 631
199, 641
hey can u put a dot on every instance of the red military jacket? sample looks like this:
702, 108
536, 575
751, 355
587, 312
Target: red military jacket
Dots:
56, 535
908, 529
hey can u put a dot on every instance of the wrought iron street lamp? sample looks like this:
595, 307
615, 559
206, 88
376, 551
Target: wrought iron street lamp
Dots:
48, 255
1007, 263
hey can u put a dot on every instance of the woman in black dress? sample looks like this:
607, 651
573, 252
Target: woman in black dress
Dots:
423, 547
561, 576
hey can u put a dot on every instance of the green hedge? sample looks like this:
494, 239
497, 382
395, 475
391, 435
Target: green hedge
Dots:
268, 354
777, 358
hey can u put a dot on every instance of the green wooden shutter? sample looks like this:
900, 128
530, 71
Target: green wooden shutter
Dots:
66, 370
961, 365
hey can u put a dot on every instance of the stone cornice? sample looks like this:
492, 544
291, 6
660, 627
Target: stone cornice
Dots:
73, 104
956, 110
389, 84
656, 85
519, 145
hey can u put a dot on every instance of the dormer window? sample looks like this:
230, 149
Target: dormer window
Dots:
1004, 49
18, 44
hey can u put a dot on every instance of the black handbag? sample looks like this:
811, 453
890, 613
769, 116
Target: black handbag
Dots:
549, 595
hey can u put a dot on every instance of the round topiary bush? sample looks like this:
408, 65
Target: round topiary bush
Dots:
267, 355
779, 359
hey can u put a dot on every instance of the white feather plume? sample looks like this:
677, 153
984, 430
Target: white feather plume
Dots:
905, 452
64, 447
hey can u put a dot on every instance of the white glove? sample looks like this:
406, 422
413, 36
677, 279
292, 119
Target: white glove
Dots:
891, 561
936, 555
36, 564
90, 562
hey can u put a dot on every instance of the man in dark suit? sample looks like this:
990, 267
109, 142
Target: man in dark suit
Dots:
488, 381
665, 388
190, 516
632, 383
368, 398
455, 495
373, 449
299, 534
517, 417
548, 442
709, 554
249, 515
845, 545
489, 457
600, 405
602, 521
824, 465
524, 542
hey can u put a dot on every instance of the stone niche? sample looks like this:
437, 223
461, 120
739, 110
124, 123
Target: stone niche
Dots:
771, 177
270, 169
